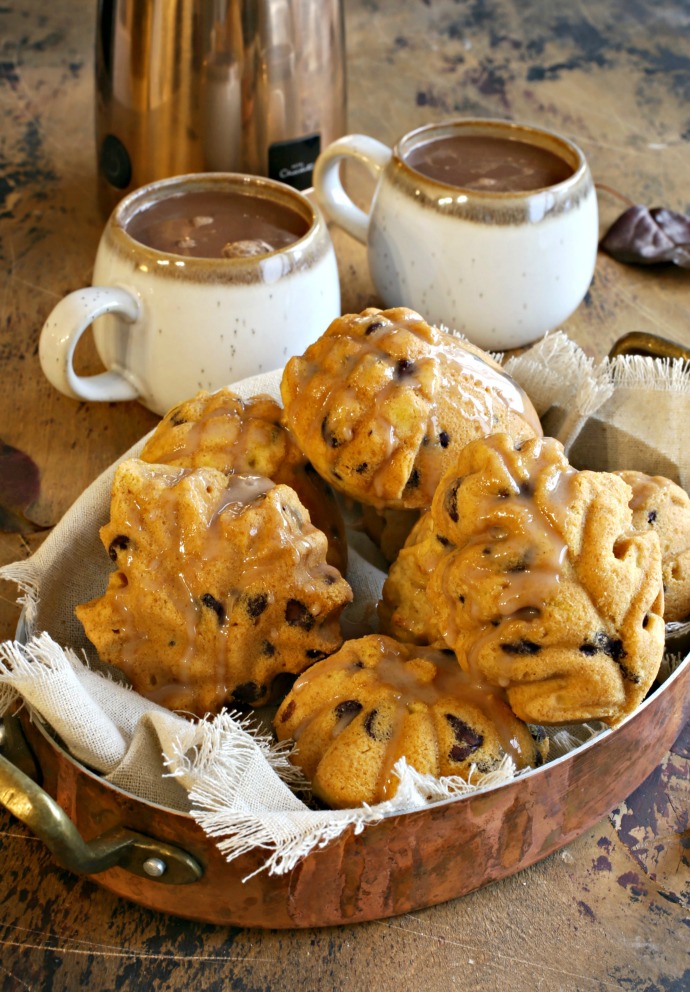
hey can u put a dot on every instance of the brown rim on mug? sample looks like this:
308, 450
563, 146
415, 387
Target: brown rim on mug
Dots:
301, 253
508, 207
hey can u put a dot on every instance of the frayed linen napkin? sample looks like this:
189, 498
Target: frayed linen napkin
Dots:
629, 412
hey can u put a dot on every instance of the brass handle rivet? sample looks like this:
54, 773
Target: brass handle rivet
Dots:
155, 867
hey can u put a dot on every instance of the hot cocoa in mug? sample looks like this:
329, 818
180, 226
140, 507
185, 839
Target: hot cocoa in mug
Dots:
487, 227
199, 281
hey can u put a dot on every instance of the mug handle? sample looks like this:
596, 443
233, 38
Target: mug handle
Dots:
62, 331
373, 154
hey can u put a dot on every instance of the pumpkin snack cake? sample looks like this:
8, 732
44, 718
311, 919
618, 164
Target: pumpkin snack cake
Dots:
220, 587
356, 713
382, 403
534, 574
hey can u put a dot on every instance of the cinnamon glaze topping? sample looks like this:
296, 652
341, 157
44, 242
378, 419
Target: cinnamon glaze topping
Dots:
510, 556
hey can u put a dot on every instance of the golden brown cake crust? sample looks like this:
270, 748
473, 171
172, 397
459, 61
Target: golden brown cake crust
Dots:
356, 713
221, 585
388, 529
382, 403
662, 506
221, 430
545, 589
405, 609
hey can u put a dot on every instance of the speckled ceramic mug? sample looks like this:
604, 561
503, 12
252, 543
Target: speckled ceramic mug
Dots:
503, 267
167, 325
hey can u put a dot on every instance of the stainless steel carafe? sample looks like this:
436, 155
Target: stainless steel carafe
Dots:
252, 86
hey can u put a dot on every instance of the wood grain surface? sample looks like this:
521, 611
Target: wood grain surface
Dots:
610, 911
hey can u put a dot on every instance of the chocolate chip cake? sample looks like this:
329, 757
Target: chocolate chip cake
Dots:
220, 587
405, 609
545, 588
356, 713
382, 403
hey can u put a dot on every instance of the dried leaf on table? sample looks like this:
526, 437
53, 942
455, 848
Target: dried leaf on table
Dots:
647, 237
20, 486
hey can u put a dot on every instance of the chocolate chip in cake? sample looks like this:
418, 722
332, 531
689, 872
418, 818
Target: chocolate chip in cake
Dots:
298, 615
328, 435
213, 604
442, 540
450, 501
627, 674
176, 419
348, 706
373, 727
468, 739
248, 692
521, 647
404, 368
288, 711
119, 543
256, 604
268, 649
345, 712
611, 646
361, 468
374, 326
651, 516
444, 439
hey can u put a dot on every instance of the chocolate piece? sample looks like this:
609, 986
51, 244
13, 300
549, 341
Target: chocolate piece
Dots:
213, 604
119, 543
256, 604
298, 615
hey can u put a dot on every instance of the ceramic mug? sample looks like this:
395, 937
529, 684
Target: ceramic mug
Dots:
167, 322
465, 231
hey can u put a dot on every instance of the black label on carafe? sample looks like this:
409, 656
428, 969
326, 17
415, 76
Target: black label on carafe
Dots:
292, 161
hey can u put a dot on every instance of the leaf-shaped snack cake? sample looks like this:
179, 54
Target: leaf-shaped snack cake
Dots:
538, 581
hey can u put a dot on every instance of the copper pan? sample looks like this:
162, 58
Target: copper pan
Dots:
404, 863
163, 860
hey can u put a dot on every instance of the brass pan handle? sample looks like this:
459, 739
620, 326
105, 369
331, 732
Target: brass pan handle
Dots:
120, 847
644, 343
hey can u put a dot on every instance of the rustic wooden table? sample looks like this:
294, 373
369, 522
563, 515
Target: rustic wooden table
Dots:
612, 910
